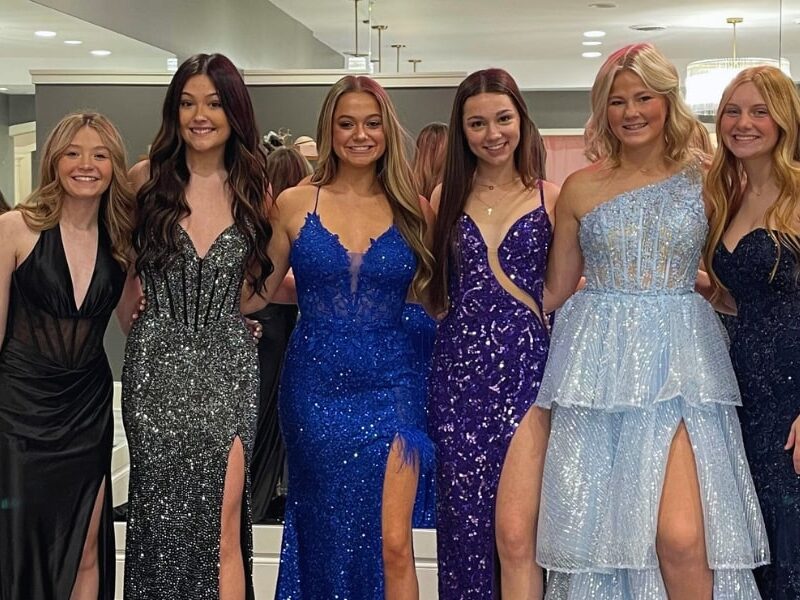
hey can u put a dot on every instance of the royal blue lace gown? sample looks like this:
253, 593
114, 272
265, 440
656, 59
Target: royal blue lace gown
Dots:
349, 388
634, 354
765, 348
488, 361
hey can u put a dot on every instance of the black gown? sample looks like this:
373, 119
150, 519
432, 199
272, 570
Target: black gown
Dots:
56, 428
765, 350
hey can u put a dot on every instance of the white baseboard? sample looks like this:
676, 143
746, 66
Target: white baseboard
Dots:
266, 556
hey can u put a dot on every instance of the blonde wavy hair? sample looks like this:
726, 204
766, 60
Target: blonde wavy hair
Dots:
42, 209
393, 170
686, 138
726, 179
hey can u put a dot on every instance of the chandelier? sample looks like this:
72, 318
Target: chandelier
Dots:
706, 79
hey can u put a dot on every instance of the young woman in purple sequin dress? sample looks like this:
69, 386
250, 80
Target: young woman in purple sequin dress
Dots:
753, 253
491, 241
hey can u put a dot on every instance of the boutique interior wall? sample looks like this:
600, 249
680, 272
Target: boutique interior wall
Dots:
136, 110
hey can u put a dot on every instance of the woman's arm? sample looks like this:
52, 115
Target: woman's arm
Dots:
131, 303
8, 261
565, 261
723, 302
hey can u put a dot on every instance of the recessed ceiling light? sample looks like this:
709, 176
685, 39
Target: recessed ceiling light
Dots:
591, 43
590, 54
3, 89
101, 52
648, 27
602, 5
73, 42
594, 34
45, 34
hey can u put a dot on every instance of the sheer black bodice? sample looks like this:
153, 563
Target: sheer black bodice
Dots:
765, 348
55, 422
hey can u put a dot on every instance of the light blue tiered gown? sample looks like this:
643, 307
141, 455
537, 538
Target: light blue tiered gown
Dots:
632, 355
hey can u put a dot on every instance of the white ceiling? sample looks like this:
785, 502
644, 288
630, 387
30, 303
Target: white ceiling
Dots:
21, 51
538, 41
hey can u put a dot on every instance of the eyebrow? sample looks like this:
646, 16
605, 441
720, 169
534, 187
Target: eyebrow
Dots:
206, 96
94, 148
373, 115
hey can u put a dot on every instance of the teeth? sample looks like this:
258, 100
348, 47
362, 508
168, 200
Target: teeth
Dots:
635, 126
202, 130
84, 178
496, 146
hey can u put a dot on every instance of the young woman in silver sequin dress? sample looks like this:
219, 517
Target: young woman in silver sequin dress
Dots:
646, 492
190, 380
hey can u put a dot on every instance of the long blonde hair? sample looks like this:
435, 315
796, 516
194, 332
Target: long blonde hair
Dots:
726, 179
42, 209
684, 135
393, 170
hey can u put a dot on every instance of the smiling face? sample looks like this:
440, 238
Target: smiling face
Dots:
636, 114
491, 125
358, 136
85, 169
203, 122
746, 127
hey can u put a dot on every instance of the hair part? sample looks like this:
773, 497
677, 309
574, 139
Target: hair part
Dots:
393, 171
42, 209
162, 200
726, 179
685, 137
461, 163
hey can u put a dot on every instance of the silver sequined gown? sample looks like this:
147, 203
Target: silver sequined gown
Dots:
190, 387
632, 355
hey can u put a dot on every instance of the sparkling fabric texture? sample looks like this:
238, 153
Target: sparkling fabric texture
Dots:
488, 361
421, 330
190, 387
349, 389
765, 348
632, 356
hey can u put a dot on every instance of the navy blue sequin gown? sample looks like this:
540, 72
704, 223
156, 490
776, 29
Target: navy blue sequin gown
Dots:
349, 388
765, 350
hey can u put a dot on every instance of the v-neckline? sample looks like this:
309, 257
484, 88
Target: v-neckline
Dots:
740, 240
213, 243
71, 280
511, 227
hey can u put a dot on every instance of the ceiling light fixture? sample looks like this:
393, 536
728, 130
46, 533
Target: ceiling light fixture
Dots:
100, 52
648, 27
73, 42
44, 33
591, 43
594, 34
2, 89
706, 79
590, 54
602, 5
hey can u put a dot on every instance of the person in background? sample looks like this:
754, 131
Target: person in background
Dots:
646, 491
286, 167
4, 207
492, 235
429, 157
63, 259
753, 255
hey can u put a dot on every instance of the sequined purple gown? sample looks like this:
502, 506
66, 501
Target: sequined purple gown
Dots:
488, 361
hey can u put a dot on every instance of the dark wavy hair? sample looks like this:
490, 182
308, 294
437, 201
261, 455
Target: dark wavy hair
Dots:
3, 206
460, 164
162, 200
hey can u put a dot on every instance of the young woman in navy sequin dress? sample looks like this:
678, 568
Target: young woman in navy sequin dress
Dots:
492, 236
351, 403
753, 253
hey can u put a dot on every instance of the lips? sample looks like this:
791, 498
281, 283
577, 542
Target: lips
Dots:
359, 149
85, 178
634, 126
202, 130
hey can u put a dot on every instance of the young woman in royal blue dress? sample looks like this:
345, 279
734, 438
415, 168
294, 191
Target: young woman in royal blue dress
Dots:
753, 254
351, 402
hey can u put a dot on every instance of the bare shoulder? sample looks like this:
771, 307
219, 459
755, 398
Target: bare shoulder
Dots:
292, 205
551, 192
17, 237
139, 174
427, 211
578, 188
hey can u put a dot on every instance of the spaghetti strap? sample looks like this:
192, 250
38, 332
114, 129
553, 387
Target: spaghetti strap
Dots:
316, 199
540, 185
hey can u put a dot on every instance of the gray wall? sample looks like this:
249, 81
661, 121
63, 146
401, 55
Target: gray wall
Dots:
136, 111
6, 151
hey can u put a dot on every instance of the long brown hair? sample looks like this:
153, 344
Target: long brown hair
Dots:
162, 200
429, 157
726, 179
393, 170
42, 209
461, 163
286, 167
3, 206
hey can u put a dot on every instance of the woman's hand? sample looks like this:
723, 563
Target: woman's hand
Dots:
794, 442
138, 309
254, 327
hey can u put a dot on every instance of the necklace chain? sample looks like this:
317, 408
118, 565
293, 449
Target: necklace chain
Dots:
490, 207
492, 186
